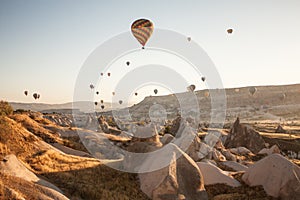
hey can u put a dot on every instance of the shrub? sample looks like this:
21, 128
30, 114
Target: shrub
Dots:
5, 108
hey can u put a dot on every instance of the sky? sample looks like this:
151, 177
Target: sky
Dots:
44, 44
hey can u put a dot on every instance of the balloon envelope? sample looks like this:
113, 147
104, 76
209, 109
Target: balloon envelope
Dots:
26, 93
252, 90
203, 78
142, 30
35, 95
191, 88
155, 91
230, 30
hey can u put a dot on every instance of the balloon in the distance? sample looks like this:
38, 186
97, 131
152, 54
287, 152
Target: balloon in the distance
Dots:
108, 74
92, 86
101, 101
102, 106
136, 94
113, 93
282, 96
97, 92
101, 74
142, 30
127, 63
252, 90
26, 92
155, 91
191, 88
203, 78
189, 39
229, 31
36, 96
206, 94
120, 102
96, 103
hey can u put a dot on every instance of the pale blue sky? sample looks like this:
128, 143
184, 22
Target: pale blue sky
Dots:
43, 44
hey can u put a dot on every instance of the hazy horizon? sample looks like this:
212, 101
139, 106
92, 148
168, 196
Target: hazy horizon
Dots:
45, 43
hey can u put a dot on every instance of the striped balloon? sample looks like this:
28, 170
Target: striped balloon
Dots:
142, 30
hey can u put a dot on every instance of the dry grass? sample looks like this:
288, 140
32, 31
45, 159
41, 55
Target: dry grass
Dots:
78, 177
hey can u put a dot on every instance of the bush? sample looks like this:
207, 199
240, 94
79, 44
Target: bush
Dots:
5, 108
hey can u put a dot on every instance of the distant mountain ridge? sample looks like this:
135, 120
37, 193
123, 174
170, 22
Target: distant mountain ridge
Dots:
236, 97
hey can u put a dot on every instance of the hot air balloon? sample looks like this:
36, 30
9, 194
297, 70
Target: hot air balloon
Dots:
155, 91
26, 92
189, 39
35, 96
120, 102
113, 93
127, 63
101, 74
203, 78
252, 90
206, 94
229, 31
92, 86
97, 92
102, 106
96, 103
136, 94
38, 96
101, 101
191, 88
142, 30
108, 74
282, 96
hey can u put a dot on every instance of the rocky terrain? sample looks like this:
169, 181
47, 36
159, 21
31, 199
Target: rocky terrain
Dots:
255, 155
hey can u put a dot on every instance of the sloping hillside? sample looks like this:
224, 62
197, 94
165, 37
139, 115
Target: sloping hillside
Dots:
77, 177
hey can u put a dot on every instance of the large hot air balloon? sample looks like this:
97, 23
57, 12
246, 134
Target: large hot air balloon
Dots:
127, 63
26, 92
92, 86
229, 31
155, 91
142, 30
191, 88
120, 102
252, 90
203, 78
